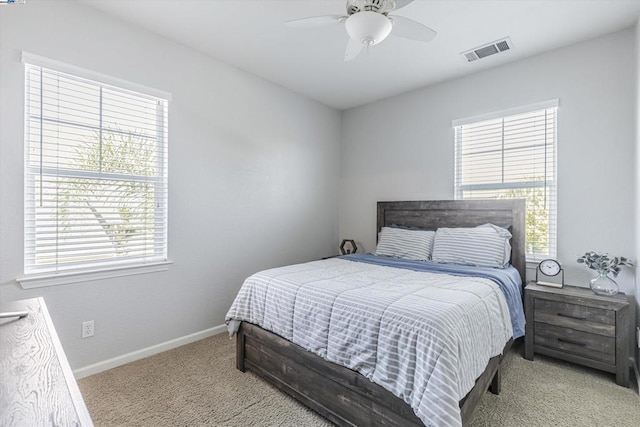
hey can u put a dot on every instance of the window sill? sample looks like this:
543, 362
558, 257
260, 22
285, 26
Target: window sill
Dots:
65, 278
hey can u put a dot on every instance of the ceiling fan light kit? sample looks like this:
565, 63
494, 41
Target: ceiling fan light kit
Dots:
368, 23
369, 28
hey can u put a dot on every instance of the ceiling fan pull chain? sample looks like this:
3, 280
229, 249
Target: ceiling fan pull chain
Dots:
368, 43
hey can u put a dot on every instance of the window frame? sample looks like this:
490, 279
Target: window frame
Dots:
92, 269
552, 184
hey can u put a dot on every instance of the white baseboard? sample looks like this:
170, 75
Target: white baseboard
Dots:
146, 352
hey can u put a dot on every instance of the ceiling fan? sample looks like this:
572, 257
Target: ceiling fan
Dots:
368, 23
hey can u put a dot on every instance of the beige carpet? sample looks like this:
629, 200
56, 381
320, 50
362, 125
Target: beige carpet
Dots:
198, 385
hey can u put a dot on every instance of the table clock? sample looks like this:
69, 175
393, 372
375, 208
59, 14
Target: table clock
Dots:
550, 268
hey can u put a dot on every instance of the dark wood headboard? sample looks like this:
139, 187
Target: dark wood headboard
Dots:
433, 214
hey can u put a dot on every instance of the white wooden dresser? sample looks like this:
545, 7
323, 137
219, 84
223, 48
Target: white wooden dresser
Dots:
37, 386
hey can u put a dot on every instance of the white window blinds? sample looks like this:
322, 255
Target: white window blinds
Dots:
95, 174
513, 157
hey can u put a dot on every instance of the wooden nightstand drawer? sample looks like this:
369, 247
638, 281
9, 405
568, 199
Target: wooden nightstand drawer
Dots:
579, 317
590, 346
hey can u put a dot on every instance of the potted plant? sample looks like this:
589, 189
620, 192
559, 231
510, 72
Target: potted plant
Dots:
603, 264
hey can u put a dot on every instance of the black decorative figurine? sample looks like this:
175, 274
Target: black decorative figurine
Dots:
350, 249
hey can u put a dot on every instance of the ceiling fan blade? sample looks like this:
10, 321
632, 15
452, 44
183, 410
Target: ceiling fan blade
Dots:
354, 47
402, 3
316, 21
410, 29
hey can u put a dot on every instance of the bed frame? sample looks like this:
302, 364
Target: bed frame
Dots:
343, 396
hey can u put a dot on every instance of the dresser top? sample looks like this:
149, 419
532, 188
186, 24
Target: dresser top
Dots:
38, 387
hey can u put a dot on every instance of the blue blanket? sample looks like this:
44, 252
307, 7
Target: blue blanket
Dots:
507, 278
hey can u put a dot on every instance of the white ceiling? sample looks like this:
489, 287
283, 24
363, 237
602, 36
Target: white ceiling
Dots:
251, 35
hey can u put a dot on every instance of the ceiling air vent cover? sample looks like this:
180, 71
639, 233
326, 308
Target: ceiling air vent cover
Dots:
488, 49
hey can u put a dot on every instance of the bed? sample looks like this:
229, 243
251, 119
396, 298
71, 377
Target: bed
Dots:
350, 392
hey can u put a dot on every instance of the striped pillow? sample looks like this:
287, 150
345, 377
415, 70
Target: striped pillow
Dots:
407, 244
484, 246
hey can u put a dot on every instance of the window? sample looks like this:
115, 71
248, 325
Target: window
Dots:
512, 155
95, 174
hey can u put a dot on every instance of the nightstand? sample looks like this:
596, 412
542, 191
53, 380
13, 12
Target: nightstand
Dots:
576, 325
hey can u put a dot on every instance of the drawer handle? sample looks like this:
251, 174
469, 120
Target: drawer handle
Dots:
571, 317
572, 342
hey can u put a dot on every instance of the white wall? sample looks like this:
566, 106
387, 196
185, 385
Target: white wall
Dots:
253, 168
402, 148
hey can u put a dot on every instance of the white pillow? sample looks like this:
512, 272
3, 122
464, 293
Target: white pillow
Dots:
407, 244
484, 246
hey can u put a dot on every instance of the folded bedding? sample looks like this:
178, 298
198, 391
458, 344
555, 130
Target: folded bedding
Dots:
424, 335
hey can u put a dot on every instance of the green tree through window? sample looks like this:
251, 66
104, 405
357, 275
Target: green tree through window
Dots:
536, 218
122, 200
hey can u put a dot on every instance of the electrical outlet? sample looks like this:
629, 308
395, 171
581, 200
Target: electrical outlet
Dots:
87, 329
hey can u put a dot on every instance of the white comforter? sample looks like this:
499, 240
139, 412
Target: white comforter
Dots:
425, 337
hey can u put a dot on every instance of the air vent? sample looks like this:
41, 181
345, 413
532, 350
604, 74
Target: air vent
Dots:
488, 49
